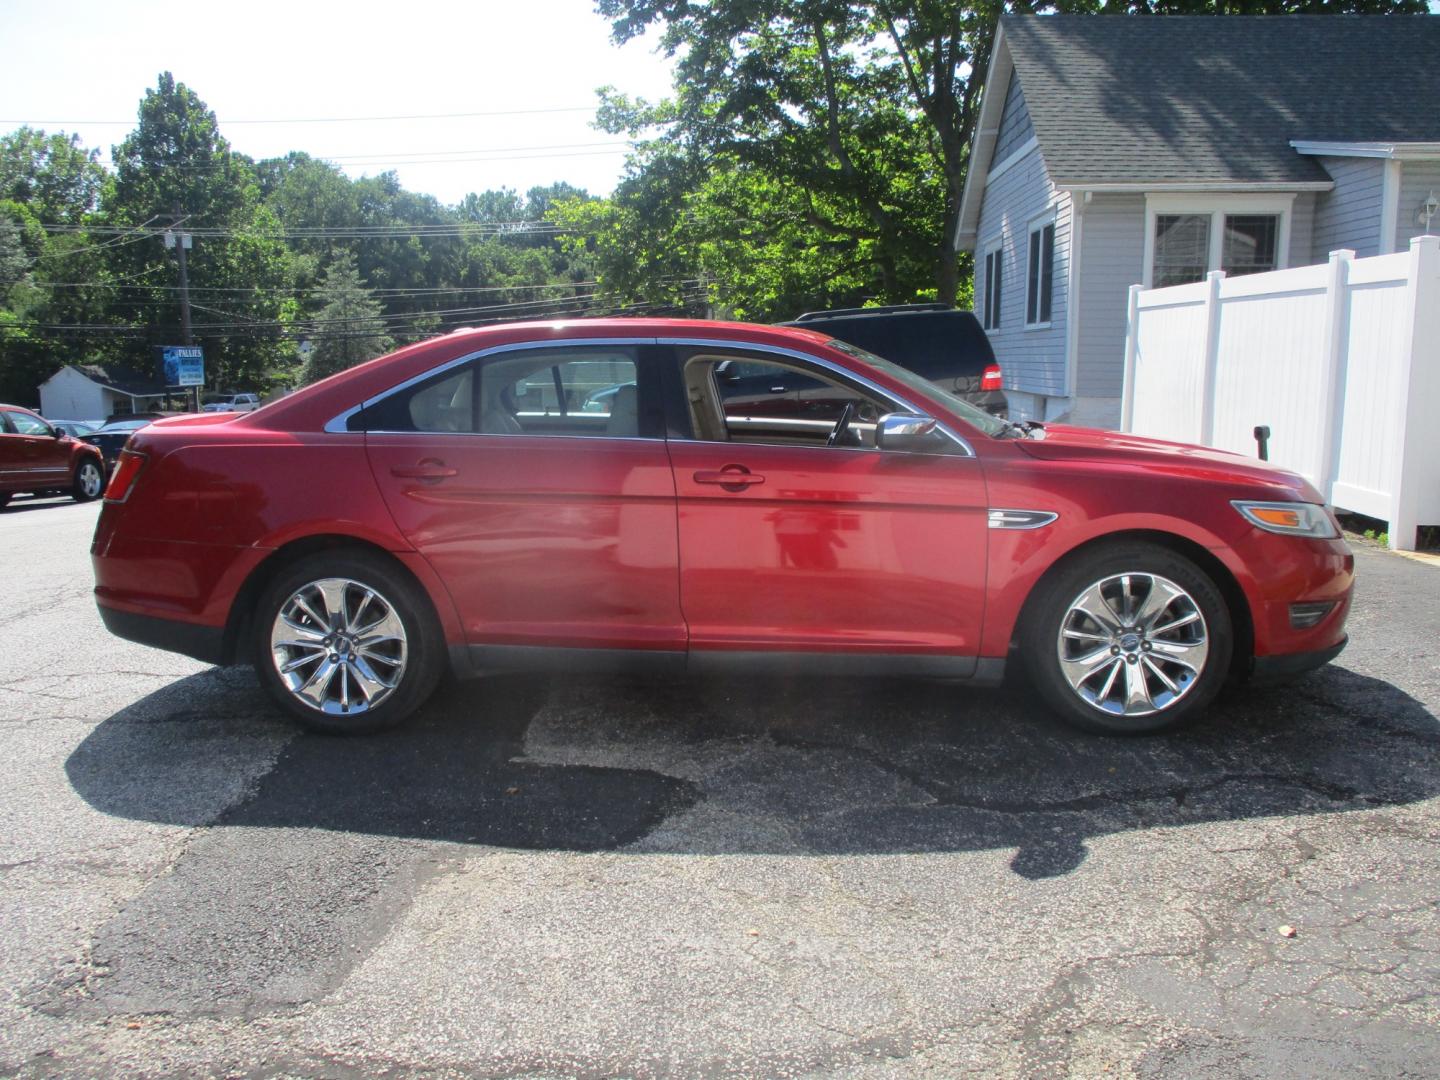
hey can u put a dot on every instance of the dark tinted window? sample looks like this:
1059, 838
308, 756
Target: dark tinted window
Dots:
933, 344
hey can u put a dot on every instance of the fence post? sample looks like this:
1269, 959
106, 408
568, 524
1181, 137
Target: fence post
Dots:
1337, 368
1419, 382
1213, 281
1132, 350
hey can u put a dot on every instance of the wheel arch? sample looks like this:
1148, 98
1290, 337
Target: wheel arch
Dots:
242, 609
1242, 622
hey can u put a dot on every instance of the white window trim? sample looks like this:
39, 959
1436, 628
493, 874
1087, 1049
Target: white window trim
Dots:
995, 246
1036, 224
1218, 206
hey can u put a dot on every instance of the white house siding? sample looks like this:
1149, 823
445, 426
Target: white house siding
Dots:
69, 395
1349, 215
1033, 360
1417, 180
1112, 255
1015, 126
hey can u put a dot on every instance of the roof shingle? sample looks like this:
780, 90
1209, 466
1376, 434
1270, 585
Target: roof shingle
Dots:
1200, 99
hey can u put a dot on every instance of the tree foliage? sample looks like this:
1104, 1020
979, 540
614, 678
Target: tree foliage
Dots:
348, 329
852, 120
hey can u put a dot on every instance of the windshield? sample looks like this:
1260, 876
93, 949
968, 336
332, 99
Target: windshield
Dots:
978, 418
124, 425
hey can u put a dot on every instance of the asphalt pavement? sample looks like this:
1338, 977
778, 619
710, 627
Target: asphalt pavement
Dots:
567, 877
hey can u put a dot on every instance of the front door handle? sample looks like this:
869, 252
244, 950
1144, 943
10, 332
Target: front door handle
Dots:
731, 477
429, 469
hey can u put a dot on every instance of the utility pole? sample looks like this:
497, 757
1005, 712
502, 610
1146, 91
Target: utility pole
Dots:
181, 243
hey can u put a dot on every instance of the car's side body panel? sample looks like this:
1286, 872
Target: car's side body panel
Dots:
835, 550
542, 540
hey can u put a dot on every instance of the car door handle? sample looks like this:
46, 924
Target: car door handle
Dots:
425, 470
735, 477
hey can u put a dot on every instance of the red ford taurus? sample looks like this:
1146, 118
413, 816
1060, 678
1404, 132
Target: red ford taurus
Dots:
673, 495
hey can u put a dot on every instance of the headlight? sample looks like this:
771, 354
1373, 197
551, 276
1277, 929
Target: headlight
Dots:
1289, 519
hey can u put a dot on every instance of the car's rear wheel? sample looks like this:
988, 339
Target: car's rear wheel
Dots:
1128, 639
347, 643
4, 499
89, 481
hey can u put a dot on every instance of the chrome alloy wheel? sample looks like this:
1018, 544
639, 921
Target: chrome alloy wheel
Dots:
92, 480
338, 646
1133, 644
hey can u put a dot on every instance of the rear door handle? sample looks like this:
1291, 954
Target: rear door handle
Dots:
425, 470
734, 477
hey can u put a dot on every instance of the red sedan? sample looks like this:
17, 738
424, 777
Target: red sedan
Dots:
36, 456
616, 494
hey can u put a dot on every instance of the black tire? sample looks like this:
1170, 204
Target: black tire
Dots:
1159, 664
423, 657
4, 499
89, 481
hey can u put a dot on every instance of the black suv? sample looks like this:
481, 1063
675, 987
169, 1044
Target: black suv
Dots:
937, 342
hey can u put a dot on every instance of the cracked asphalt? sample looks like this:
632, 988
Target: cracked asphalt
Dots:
565, 877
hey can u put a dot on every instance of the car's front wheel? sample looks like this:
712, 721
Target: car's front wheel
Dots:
1128, 639
347, 643
89, 481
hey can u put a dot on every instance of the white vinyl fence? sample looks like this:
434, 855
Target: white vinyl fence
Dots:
1341, 361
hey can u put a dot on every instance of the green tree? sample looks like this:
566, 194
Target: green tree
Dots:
349, 329
176, 164
858, 115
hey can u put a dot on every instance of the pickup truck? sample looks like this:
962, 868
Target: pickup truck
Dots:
233, 403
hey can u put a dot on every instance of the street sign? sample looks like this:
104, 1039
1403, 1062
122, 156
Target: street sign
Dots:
184, 365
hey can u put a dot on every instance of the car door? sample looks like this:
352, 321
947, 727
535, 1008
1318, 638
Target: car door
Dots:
45, 456
545, 504
789, 543
13, 467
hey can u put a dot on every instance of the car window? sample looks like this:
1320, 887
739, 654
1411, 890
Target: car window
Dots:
5, 428
764, 401
586, 391
25, 424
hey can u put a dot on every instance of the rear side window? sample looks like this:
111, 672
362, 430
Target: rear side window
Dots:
933, 344
576, 392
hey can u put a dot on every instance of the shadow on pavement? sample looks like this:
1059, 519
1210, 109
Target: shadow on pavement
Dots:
804, 767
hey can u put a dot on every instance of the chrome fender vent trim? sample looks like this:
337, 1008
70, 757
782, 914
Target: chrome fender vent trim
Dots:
1021, 519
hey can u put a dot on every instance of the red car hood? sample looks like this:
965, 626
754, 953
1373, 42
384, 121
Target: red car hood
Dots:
1064, 442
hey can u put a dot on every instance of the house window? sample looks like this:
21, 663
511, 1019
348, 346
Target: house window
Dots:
1040, 274
1250, 243
1193, 235
992, 289
1182, 248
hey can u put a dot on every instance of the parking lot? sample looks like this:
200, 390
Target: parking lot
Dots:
758, 878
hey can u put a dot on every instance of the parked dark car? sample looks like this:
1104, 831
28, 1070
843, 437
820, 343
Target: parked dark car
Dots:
37, 457
417, 514
110, 439
940, 343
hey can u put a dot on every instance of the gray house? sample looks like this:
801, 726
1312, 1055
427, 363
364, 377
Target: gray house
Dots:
1112, 150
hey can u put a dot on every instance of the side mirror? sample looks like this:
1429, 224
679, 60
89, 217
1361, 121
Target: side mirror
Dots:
905, 431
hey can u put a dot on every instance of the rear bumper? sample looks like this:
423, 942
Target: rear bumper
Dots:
1274, 669
204, 643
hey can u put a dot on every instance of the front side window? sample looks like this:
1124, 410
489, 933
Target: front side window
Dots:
763, 401
25, 424
1040, 276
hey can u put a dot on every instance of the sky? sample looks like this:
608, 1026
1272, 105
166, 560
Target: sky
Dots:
531, 67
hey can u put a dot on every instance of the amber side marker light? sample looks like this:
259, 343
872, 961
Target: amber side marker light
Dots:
1290, 519
122, 480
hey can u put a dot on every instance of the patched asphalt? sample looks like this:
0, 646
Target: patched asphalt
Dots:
756, 877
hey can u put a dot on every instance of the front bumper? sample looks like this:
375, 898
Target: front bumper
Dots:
1282, 668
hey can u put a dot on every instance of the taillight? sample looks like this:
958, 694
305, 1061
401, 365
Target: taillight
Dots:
991, 380
122, 480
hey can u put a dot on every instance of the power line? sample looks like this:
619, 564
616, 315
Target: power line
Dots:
329, 119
